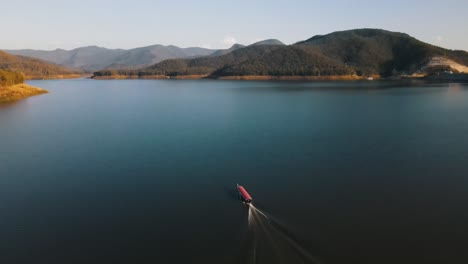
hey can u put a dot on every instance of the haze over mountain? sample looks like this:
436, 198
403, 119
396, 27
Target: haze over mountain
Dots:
95, 58
360, 52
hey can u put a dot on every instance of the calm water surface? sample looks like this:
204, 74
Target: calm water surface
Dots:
145, 171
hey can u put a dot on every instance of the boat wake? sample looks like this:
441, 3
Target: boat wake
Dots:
270, 243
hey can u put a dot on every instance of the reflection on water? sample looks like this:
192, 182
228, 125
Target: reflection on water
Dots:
454, 88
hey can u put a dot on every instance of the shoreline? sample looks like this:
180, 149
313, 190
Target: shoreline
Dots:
59, 77
244, 78
298, 78
461, 77
19, 91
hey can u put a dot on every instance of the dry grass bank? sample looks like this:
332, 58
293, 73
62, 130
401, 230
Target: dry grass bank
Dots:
19, 91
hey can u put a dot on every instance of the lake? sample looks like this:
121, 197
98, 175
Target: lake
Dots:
145, 171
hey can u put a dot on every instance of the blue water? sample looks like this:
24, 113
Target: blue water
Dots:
144, 171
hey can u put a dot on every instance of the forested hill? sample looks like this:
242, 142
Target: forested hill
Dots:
272, 60
362, 52
374, 51
33, 68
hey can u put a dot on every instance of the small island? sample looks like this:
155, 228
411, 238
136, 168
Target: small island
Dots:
12, 87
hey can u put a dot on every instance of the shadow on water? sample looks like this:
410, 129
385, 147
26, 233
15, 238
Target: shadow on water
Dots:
270, 242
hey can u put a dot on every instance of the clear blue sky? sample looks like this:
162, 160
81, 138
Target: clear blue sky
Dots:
50, 24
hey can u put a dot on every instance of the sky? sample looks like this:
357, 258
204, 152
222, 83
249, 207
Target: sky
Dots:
51, 24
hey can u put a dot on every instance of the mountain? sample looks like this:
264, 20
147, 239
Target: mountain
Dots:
85, 58
360, 52
268, 42
153, 54
375, 51
267, 60
239, 46
95, 58
226, 51
33, 68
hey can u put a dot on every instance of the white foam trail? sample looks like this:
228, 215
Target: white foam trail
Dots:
256, 224
251, 222
260, 212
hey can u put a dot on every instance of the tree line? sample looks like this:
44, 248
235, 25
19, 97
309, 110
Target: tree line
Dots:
8, 78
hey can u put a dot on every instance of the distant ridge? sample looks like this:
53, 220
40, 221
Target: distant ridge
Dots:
361, 53
33, 68
93, 58
226, 51
268, 42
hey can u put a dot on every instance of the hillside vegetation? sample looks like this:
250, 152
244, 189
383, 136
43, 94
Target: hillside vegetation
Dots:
254, 60
361, 52
8, 78
373, 51
33, 68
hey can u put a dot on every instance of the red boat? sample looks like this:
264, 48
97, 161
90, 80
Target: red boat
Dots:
245, 196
